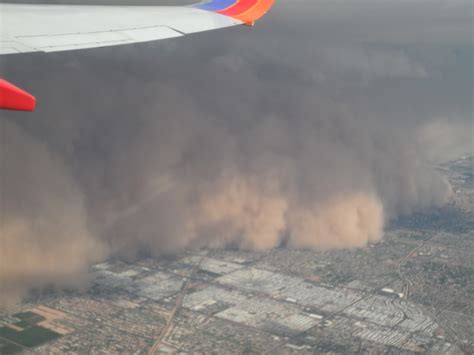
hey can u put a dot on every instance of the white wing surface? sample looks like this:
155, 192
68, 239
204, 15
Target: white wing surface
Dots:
50, 28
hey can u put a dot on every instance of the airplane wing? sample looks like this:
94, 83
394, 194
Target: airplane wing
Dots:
50, 28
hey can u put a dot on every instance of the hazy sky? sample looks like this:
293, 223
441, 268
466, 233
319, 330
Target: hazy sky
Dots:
311, 129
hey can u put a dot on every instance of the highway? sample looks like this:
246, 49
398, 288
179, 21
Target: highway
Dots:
179, 301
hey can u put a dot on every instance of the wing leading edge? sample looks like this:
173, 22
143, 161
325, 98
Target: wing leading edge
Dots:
52, 28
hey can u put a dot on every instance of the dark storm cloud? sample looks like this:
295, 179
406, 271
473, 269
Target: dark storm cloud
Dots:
314, 127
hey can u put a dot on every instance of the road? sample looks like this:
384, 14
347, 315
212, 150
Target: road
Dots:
177, 306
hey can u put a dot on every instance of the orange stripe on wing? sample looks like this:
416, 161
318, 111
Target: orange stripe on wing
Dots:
255, 12
239, 7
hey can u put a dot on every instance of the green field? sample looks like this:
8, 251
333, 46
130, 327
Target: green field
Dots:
31, 335
8, 348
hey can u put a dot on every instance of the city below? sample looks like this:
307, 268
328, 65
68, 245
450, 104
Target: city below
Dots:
410, 293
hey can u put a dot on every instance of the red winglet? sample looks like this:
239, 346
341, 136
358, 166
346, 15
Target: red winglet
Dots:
14, 98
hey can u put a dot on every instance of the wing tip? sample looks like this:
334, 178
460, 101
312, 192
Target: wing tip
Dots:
247, 11
14, 98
